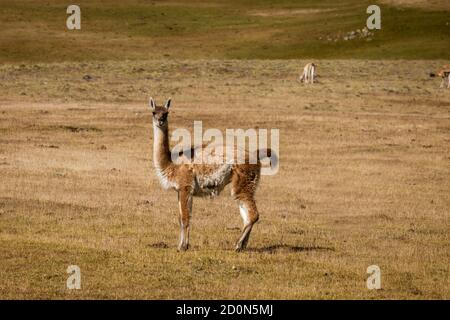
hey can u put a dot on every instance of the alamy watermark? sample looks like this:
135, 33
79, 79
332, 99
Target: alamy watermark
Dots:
74, 280
374, 280
374, 20
238, 146
73, 22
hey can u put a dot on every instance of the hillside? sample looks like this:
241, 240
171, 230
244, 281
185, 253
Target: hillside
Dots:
134, 29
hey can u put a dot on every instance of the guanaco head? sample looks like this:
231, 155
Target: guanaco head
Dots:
160, 114
445, 70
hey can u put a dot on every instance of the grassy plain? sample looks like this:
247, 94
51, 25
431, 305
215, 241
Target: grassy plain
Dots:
364, 158
364, 179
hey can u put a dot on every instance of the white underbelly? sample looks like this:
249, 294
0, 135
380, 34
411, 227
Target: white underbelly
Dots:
211, 183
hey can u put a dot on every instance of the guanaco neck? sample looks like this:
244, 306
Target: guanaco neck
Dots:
161, 152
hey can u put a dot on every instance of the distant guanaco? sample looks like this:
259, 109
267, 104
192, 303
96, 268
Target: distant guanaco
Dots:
443, 73
309, 72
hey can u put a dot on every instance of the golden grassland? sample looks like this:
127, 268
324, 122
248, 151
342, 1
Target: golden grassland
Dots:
364, 179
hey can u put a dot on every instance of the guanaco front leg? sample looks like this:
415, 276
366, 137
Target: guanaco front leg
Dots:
185, 206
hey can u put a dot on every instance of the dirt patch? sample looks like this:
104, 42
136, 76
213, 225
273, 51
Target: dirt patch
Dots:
80, 129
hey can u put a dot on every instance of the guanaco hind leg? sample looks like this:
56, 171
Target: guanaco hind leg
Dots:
250, 215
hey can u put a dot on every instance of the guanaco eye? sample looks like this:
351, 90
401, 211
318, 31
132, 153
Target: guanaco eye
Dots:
154, 113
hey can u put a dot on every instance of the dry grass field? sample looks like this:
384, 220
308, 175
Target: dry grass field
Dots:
364, 179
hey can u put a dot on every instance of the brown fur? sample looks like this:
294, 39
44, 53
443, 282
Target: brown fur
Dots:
190, 179
444, 73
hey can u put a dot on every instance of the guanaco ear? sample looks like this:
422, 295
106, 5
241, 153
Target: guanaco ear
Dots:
167, 105
152, 103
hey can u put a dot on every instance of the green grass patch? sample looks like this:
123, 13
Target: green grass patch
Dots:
218, 29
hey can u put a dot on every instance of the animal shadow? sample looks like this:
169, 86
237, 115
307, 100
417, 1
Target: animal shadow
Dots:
158, 245
288, 248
